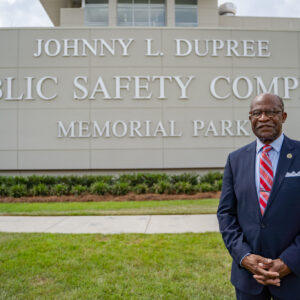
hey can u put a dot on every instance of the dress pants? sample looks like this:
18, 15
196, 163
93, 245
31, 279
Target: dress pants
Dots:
265, 295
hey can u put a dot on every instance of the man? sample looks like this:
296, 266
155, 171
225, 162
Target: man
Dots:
259, 210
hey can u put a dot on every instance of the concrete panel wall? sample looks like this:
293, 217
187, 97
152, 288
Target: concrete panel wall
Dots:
152, 121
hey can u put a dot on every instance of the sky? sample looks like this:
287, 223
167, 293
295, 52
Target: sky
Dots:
30, 13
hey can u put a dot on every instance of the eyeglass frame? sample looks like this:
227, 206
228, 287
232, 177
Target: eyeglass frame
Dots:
268, 113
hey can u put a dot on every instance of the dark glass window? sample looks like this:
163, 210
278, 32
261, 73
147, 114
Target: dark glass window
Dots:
141, 13
96, 12
186, 13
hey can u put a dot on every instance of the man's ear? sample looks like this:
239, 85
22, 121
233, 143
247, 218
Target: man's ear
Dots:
284, 116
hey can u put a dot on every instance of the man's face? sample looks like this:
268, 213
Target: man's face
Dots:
267, 117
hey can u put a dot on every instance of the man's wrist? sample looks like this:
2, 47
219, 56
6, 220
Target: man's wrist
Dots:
285, 269
241, 261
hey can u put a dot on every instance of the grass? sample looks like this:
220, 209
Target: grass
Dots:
203, 206
131, 266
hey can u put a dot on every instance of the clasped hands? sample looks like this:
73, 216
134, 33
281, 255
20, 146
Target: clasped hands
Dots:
266, 271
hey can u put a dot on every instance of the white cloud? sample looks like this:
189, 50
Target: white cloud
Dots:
267, 8
19, 13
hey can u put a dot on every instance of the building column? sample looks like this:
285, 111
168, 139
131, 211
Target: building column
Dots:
112, 13
170, 13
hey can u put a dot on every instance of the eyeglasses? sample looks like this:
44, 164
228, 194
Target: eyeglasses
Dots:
256, 114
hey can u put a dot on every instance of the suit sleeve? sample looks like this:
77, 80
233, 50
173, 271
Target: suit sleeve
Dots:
291, 256
228, 220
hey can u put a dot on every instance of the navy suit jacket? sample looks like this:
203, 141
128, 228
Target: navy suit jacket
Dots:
276, 234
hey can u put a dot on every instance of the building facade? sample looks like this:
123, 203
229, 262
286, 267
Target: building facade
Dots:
140, 85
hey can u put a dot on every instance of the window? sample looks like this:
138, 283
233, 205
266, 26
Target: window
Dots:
186, 13
96, 12
141, 12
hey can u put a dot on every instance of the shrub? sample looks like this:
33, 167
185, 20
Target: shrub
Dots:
204, 187
121, 188
163, 187
141, 188
106, 179
218, 184
99, 188
211, 177
21, 180
139, 183
18, 190
8, 180
49, 180
60, 189
33, 180
78, 190
69, 180
130, 179
3, 180
152, 179
87, 180
40, 190
183, 187
186, 177
143, 178
3, 190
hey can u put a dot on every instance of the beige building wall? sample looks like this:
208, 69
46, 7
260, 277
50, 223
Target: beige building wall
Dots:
188, 128
72, 17
90, 99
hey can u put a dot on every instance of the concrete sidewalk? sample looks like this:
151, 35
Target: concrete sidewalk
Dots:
111, 224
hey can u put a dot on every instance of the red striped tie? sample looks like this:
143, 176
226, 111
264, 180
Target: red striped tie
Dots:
265, 178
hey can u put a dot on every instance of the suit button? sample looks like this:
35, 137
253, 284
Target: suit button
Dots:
262, 225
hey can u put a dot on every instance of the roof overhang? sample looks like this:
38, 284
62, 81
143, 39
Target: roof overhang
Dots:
52, 8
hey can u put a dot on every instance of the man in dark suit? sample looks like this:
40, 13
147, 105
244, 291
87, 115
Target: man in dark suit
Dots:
259, 210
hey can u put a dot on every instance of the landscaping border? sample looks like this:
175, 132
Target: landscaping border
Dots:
102, 198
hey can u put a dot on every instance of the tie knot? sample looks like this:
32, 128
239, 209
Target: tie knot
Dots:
267, 148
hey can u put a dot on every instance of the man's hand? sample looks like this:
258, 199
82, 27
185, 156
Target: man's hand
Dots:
254, 263
265, 270
277, 266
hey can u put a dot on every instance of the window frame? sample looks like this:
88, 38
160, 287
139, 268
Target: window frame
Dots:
179, 7
103, 6
150, 11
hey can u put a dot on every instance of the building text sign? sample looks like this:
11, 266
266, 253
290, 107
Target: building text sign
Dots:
136, 100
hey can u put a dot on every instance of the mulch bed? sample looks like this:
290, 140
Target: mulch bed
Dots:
96, 198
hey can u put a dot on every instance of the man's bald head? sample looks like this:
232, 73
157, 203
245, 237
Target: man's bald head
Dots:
267, 95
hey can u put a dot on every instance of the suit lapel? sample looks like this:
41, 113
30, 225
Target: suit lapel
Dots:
249, 164
287, 155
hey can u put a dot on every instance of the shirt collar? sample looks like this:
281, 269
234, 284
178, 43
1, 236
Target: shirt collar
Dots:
276, 145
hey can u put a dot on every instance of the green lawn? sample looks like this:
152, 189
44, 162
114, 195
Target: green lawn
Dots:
203, 206
131, 266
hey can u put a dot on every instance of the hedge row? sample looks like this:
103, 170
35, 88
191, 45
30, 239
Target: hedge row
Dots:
139, 183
